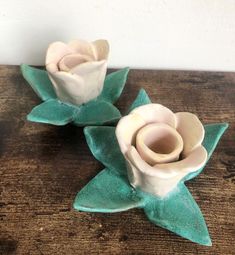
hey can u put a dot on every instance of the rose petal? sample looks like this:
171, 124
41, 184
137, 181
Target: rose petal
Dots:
69, 88
151, 184
93, 74
156, 113
101, 49
83, 47
82, 84
88, 67
162, 178
145, 168
190, 129
126, 130
194, 161
70, 61
55, 52
150, 180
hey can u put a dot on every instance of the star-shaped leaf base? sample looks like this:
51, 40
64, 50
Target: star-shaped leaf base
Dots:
111, 192
96, 112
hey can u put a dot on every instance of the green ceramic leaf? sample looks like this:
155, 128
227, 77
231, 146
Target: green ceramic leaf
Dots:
213, 133
39, 81
96, 113
107, 193
180, 214
104, 146
113, 85
141, 99
52, 112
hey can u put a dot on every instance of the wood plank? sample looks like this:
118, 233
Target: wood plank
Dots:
42, 167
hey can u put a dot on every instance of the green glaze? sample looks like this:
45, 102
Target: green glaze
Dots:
108, 192
98, 145
96, 112
39, 81
97, 141
99, 112
52, 112
213, 133
179, 213
141, 99
111, 192
113, 85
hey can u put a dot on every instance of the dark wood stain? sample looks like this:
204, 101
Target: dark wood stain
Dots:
42, 167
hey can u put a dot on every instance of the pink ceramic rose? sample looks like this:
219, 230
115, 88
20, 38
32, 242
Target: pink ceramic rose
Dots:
160, 147
77, 70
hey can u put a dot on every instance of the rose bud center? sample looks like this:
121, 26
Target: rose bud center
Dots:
68, 62
159, 143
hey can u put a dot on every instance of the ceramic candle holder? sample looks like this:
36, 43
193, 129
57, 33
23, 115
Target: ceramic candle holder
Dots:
147, 159
160, 147
74, 86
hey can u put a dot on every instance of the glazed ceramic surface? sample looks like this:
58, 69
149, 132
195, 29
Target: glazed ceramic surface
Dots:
53, 111
110, 191
77, 70
160, 147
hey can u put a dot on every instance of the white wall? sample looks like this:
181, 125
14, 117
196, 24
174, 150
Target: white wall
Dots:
162, 34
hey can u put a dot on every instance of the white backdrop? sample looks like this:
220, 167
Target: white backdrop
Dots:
162, 34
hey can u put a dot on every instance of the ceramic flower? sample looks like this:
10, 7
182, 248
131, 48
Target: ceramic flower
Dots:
77, 70
160, 147
142, 170
74, 87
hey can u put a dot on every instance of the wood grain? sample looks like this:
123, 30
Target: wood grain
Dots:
42, 167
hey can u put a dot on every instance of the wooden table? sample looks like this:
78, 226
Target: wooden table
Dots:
42, 167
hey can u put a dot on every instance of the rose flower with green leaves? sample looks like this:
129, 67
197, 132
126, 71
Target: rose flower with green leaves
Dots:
74, 86
147, 159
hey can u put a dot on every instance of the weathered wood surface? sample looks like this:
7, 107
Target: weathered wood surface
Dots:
42, 167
